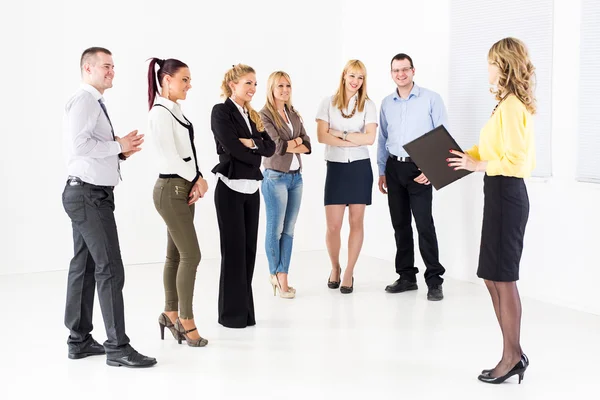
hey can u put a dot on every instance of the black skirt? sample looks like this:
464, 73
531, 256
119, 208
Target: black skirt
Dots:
505, 214
349, 183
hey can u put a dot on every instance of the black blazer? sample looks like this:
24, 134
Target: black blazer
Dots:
237, 161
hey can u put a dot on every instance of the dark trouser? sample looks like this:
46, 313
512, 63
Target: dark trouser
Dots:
237, 214
406, 195
171, 196
97, 261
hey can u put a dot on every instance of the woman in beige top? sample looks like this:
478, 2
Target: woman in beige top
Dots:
282, 183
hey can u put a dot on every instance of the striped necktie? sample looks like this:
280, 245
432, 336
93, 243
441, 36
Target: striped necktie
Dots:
113, 133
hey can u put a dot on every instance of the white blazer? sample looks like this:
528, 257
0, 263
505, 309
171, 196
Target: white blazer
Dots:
170, 132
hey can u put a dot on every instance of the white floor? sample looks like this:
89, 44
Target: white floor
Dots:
322, 344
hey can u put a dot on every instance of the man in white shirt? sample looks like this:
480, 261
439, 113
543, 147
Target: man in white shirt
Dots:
93, 153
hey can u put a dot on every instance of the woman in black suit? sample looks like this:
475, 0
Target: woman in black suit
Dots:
241, 141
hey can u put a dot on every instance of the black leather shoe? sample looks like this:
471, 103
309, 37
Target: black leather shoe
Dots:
401, 285
435, 293
88, 348
132, 360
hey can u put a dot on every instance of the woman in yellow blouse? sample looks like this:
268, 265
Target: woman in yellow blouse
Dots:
506, 154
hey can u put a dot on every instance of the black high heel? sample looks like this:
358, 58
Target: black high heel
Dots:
347, 289
334, 284
518, 369
523, 357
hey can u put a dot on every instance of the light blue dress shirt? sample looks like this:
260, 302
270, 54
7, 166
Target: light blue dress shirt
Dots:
403, 120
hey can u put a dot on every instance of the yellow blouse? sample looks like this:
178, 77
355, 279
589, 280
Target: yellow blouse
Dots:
506, 141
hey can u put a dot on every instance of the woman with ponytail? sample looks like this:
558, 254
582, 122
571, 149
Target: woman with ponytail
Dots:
241, 141
178, 187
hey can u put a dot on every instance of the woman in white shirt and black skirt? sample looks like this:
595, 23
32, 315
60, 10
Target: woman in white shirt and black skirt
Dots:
347, 124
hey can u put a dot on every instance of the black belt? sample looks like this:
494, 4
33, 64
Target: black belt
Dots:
75, 181
401, 159
293, 171
167, 176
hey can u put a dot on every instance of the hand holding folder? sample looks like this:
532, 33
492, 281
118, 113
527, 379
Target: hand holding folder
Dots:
430, 152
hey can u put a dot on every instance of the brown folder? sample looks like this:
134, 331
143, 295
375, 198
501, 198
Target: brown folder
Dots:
430, 152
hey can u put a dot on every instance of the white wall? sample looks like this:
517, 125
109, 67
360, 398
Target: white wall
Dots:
419, 29
559, 263
43, 73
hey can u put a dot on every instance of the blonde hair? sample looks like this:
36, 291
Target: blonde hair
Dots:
233, 75
339, 99
516, 72
270, 105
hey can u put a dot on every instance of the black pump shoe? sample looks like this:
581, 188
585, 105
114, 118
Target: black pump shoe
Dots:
518, 369
523, 357
347, 289
334, 284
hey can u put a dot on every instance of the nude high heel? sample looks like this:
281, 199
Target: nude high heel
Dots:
290, 294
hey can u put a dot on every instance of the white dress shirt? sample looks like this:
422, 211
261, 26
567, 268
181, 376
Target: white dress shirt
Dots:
171, 140
92, 153
328, 112
246, 186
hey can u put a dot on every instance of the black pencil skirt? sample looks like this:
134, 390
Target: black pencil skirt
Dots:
349, 183
505, 214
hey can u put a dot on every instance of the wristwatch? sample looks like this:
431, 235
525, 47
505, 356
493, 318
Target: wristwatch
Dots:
344, 135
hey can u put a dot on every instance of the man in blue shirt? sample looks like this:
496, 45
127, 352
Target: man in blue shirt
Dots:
406, 114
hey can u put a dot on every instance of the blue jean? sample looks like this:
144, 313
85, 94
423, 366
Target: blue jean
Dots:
282, 192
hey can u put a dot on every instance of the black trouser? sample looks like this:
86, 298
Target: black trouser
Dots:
97, 261
237, 214
406, 195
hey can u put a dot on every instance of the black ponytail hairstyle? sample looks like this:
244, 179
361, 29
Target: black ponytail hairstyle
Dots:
169, 67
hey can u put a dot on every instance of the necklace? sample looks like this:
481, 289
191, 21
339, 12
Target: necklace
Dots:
353, 111
500, 102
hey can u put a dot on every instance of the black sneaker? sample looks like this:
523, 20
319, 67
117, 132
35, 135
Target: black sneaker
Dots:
401, 285
435, 293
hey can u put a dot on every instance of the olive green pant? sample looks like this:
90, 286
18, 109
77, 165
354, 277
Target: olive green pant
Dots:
171, 196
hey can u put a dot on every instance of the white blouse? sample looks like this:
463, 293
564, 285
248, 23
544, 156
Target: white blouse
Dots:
328, 112
171, 140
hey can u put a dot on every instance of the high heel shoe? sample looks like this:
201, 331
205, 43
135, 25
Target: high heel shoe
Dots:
290, 294
200, 342
165, 322
334, 284
518, 369
523, 357
347, 289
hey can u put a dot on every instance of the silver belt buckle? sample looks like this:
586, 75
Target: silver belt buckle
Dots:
74, 181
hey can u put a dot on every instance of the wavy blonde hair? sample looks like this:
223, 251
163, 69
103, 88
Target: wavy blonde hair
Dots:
233, 75
516, 72
339, 99
270, 105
